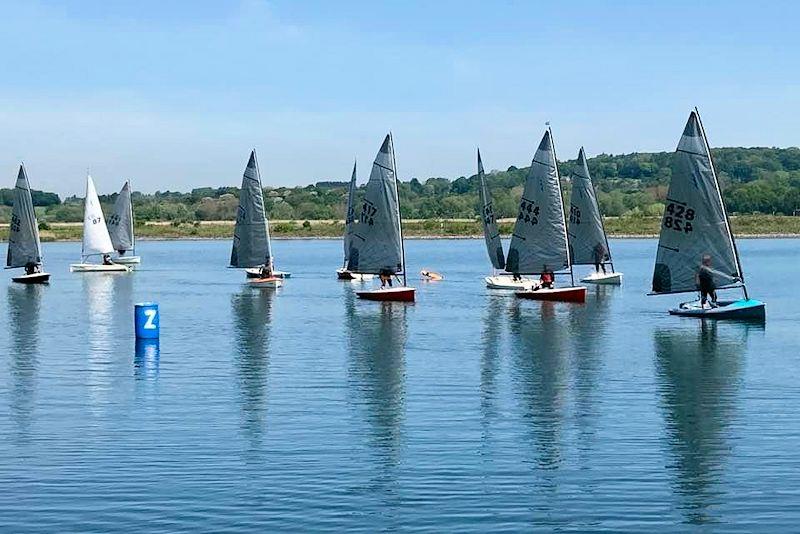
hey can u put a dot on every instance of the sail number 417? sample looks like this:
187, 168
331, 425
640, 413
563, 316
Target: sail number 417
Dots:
678, 218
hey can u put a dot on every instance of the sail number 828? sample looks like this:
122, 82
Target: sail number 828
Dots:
678, 217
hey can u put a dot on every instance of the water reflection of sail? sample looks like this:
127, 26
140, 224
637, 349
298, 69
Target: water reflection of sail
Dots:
539, 371
588, 329
699, 374
490, 361
23, 309
98, 290
377, 371
252, 312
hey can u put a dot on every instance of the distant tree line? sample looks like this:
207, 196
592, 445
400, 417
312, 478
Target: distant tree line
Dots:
755, 180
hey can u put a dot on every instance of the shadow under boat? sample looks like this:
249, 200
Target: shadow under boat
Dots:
699, 375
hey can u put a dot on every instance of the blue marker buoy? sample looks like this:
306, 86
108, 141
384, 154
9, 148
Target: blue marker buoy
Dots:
146, 320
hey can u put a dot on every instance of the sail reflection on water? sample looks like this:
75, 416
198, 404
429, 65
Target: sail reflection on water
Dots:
699, 374
539, 367
252, 315
376, 372
24, 303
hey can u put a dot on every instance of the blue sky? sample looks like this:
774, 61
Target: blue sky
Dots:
173, 94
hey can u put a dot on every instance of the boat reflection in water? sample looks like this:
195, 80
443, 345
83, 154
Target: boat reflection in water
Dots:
252, 315
699, 370
493, 325
376, 371
24, 303
539, 367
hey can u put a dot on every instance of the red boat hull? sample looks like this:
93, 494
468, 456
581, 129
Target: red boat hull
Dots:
559, 294
397, 294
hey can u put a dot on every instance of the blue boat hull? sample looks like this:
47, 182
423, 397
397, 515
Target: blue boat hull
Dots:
746, 309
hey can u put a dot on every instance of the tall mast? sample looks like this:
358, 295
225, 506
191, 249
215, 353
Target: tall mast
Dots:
399, 216
722, 203
561, 201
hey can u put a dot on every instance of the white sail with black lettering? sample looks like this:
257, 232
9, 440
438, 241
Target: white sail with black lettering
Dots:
695, 223
23, 233
350, 218
251, 244
120, 222
494, 245
539, 241
587, 237
376, 244
95, 232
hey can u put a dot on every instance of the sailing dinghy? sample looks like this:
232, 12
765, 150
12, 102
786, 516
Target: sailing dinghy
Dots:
24, 248
539, 243
376, 244
251, 243
120, 228
695, 226
349, 225
494, 244
588, 243
96, 241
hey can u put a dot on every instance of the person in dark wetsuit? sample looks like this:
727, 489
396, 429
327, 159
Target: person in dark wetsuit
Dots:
386, 278
705, 282
31, 268
107, 260
266, 271
599, 254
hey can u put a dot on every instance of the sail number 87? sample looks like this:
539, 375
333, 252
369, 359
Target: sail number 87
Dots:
678, 218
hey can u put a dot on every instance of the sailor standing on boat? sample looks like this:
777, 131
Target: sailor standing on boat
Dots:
706, 284
600, 256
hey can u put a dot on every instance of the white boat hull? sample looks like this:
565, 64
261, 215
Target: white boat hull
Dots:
508, 282
98, 268
344, 274
128, 260
265, 283
603, 278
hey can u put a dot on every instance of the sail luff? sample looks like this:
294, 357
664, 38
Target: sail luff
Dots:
561, 203
350, 215
24, 246
491, 235
722, 202
251, 241
399, 216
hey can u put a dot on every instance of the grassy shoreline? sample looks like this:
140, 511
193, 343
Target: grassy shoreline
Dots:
617, 227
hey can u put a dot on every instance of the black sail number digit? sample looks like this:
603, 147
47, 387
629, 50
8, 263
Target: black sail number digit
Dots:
528, 212
678, 217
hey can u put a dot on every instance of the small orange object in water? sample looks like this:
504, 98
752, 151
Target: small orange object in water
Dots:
430, 275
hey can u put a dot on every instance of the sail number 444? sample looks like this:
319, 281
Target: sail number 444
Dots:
678, 217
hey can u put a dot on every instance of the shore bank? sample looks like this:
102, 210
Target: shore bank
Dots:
745, 226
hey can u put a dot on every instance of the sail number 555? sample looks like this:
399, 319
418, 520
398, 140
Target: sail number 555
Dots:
678, 217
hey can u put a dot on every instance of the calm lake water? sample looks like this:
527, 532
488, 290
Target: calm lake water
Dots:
307, 410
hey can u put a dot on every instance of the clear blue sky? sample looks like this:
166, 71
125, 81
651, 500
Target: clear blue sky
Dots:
173, 94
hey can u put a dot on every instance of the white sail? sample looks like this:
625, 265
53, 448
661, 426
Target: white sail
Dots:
95, 233
587, 237
251, 243
120, 222
539, 241
494, 245
376, 245
23, 235
695, 222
